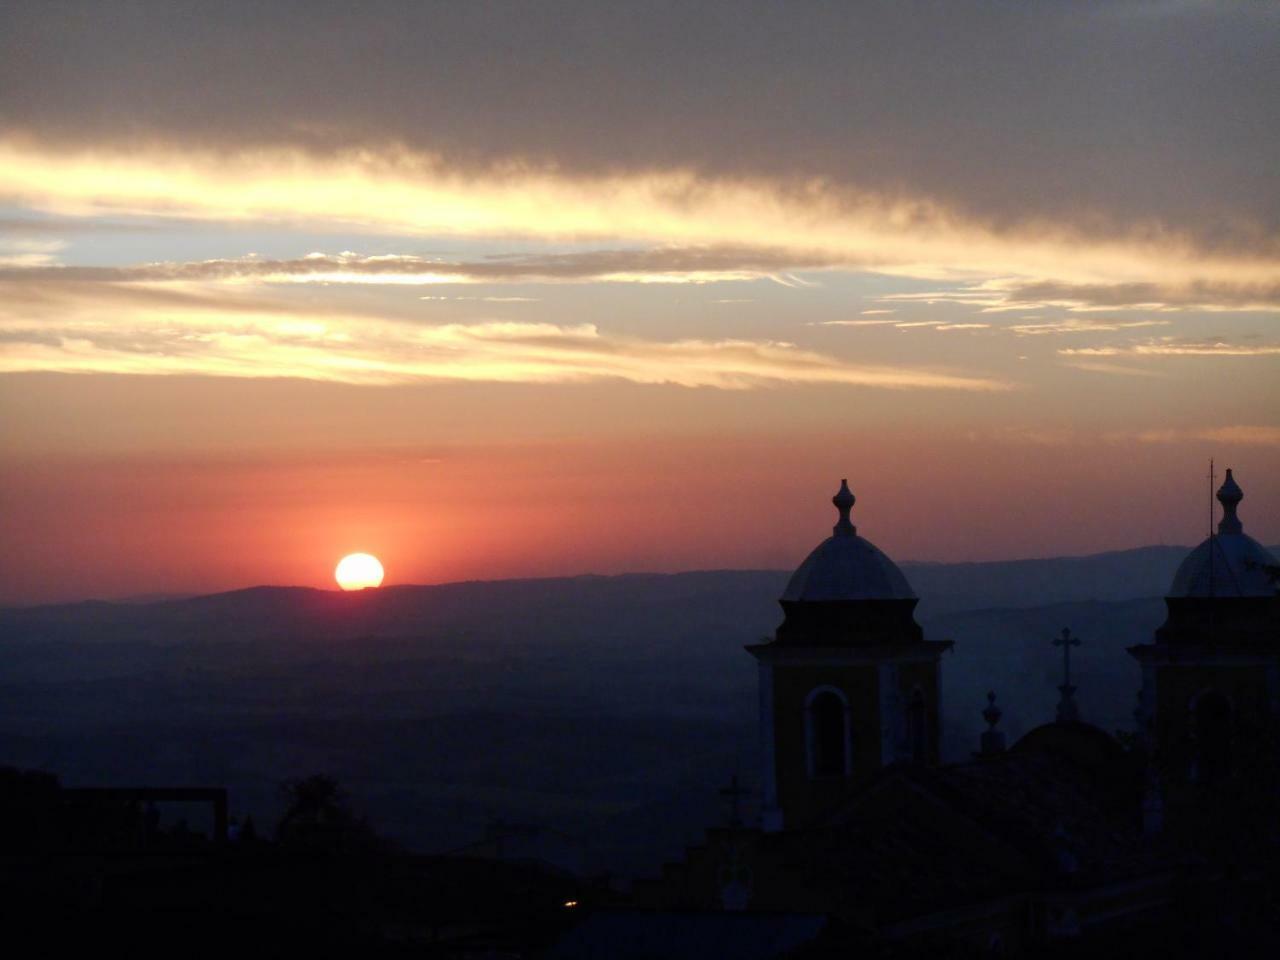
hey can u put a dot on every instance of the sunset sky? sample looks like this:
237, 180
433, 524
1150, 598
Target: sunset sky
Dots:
525, 290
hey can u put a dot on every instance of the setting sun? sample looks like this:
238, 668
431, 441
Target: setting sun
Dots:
358, 571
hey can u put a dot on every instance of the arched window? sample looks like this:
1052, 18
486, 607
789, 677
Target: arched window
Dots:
1212, 715
917, 728
827, 732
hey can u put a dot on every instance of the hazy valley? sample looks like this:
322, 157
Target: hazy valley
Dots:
612, 708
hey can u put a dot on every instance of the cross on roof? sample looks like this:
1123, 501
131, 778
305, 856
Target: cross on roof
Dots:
1066, 642
1067, 710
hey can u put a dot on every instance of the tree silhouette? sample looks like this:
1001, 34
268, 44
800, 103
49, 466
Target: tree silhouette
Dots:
318, 818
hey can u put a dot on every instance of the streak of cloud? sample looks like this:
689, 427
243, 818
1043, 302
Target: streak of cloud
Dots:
1114, 369
1252, 435
660, 265
1260, 435
1074, 325
857, 323
813, 223
1175, 348
80, 334
1083, 112
1001, 295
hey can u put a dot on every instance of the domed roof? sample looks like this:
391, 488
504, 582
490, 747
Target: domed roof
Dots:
847, 567
1230, 563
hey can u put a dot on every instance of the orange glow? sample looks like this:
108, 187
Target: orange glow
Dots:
358, 571
550, 507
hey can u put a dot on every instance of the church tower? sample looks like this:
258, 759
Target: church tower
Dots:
1210, 700
848, 685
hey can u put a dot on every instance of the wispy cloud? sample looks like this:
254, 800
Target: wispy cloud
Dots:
23, 252
1251, 435
1003, 294
1193, 295
652, 265
1073, 325
905, 324
857, 323
76, 332
398, 191
487, 299
1170, 347
1231, 435
1114, 369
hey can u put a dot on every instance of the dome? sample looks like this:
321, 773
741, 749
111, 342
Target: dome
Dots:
1229, 563
847, 567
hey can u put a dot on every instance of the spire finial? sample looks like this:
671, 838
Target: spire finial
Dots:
1230, 495
992, 713
844, 500
992, 740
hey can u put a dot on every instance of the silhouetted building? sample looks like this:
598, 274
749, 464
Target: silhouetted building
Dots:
1044, 844
1210, 701
848, 685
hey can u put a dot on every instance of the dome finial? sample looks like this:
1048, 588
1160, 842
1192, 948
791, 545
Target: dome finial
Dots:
992, 740
1230, 495
844, 500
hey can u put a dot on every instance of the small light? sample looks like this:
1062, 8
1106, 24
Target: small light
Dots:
571, 904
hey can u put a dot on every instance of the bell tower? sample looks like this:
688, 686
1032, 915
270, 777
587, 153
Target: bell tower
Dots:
848, 685
1209, 708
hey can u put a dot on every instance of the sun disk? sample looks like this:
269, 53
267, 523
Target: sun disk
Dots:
358, 571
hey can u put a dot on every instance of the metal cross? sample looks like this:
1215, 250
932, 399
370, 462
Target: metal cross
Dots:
1066, 642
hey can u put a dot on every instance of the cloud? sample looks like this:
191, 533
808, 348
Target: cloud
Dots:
1034, 436
1071, 325
487, 299
73, 331
1170, 347
1002, 295
1238, 435
857, 323
1080, 112
905, 324
1194, 295
656, 265
24, 253
1113, 369
1233, 435
28, 226
810, 223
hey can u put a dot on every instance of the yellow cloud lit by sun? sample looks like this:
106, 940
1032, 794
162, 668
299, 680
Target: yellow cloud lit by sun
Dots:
77, 330
398, 191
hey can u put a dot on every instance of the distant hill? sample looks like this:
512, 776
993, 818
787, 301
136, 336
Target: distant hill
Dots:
1119, 575
507, 612
601, 706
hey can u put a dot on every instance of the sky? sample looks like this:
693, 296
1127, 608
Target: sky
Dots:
508, 290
